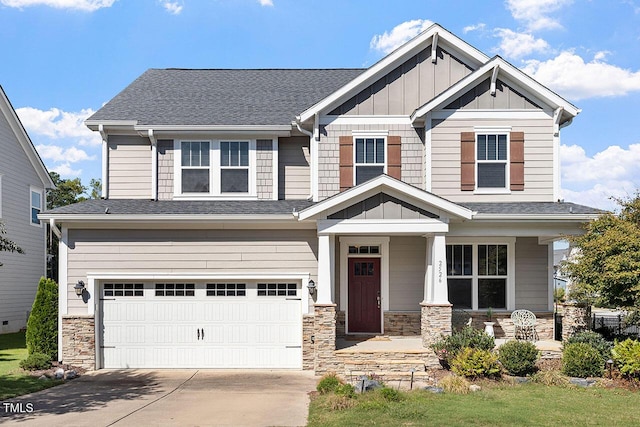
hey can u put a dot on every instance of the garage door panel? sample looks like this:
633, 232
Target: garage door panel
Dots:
242, 329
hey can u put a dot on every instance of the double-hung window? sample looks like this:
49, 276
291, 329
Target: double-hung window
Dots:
195, 167
36, 205
369, 158
492, 160
479, 276
215, 168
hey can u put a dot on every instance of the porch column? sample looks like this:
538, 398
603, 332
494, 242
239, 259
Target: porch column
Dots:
326, 269
435, 309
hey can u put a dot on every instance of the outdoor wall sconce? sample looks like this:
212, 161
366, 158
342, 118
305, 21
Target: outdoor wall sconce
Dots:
312, 287
79, 287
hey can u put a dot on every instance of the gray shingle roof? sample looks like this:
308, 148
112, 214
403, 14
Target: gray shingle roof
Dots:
223, 97
531, 208
183, 207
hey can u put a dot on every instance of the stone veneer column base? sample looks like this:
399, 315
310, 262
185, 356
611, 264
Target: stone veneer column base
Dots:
435, 321
325, 338
576, 318
308, 347
79, 341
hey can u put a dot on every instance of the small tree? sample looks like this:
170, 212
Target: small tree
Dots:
7, 245
606, 270
42, 326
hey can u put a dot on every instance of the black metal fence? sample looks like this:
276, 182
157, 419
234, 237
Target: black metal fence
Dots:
613, 325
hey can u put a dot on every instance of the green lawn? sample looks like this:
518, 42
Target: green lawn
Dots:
521, 405
13, 380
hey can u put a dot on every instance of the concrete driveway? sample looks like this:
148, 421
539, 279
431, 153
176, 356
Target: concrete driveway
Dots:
168, 398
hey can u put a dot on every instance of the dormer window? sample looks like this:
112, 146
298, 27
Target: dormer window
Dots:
222, 169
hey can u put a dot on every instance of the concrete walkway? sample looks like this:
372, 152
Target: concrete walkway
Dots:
169, 398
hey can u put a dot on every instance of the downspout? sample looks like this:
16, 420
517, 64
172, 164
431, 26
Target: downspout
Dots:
313, 153
154, 165
105, 162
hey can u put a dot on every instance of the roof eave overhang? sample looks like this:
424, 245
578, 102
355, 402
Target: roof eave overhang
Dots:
480, 217
507, 72
162, 130
167, 218
384, 183
391, 61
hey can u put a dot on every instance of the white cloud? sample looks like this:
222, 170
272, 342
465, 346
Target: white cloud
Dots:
66, 171
535, 13
173, 7
517, 45
594, 180
266, 2
574, 78
400, 34
56, 124
480, 26
84, 5
59, 154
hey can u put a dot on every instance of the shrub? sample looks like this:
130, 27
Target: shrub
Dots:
346, 390
626, 354
518, 357
582, 360
455, 384
328, 383
550, 378
390, 394
36, 361
447, 347
475, 362
42, 326
595, 340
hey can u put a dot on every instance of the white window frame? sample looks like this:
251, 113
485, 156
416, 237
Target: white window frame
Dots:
214, 171
40, 192
510, 290
507, 185
364, 135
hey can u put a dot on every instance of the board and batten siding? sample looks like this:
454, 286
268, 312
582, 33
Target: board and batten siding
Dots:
294, 172
20, 274
532, 274
407, 259
129, 167
412, 154
187, 251
408, 86
538, 159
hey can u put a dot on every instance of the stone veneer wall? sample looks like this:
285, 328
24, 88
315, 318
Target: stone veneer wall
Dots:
308, 347
325, 339
79, 341
576, 318
504, 326
435, 321
402, 323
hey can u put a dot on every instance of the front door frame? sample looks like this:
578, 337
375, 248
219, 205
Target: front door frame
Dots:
345, 242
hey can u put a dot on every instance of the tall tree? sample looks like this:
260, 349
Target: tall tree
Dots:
7, 245
606, 270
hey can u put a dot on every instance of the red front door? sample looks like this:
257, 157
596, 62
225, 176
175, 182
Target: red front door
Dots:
364, 295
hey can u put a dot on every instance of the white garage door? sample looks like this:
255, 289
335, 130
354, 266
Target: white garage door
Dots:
201, 325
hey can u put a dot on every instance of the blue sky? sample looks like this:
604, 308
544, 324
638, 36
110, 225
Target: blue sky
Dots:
63, 59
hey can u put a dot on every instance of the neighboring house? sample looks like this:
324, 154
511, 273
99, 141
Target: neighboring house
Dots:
23, 182
426, 181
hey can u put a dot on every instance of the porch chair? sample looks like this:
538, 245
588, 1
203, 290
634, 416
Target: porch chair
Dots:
524, 325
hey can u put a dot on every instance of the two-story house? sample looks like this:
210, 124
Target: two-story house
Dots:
23, 182
252, 217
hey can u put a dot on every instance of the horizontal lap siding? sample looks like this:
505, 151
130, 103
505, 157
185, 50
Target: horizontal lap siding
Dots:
20, 274
538, 160
406, 273
532, 274
187, 251
294, 180
129, 167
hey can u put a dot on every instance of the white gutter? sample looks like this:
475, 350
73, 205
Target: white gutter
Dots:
105, 162
535, 217
108, 217
313, 147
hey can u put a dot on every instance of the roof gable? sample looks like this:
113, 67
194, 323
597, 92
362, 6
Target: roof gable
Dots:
23, 138
466, 53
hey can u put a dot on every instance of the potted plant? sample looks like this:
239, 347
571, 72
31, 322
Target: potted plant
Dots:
488, 325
